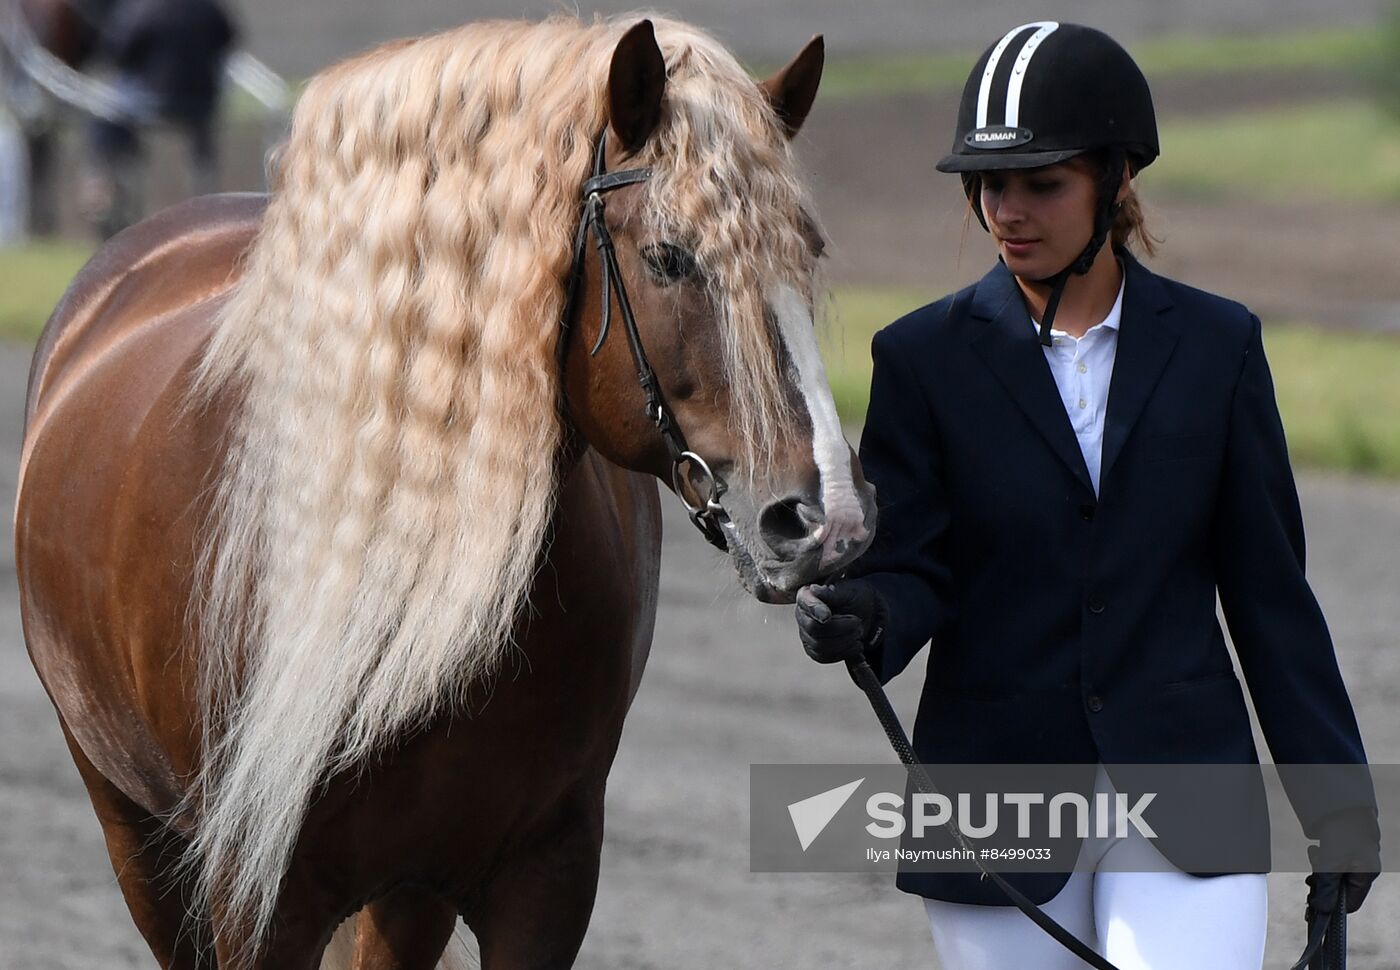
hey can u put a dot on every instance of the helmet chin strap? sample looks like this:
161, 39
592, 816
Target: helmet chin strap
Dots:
1108, 207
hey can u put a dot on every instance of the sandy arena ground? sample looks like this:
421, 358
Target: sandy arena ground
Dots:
727, 686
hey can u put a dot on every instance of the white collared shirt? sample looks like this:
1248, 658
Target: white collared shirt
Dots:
1082, 367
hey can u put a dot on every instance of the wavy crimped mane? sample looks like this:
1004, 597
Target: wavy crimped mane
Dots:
392, 467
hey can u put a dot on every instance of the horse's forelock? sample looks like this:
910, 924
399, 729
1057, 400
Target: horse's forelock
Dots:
726, 179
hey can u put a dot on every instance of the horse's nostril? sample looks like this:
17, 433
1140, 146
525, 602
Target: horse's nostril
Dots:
788, 522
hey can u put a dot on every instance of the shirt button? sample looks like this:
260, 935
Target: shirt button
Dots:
1096, 605
1083, 403
1094, 702
1083, 368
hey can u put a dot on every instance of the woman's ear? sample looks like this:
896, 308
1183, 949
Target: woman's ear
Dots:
1125, 186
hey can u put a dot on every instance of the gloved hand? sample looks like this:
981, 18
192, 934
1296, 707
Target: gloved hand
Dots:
1347, 840
840, 621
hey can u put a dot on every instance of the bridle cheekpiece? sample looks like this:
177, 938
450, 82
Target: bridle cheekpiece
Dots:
709, 516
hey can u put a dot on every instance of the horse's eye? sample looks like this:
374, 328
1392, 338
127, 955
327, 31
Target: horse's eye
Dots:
668, 262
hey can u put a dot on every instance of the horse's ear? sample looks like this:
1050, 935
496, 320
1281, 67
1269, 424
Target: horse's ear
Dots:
636, 82
792, 90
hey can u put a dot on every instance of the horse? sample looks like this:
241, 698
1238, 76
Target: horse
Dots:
338, 519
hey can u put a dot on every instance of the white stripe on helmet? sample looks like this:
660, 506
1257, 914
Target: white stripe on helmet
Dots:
1018, 73
985, 91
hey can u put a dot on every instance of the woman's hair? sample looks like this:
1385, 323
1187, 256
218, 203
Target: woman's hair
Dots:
1130, 224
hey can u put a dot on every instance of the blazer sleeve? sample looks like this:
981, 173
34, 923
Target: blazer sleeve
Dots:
900, 455
1279, 633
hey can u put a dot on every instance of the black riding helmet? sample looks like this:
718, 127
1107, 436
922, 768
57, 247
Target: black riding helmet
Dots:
1046, 92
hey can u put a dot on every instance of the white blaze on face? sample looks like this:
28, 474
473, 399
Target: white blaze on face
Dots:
845, 522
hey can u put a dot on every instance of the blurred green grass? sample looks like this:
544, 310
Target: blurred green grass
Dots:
1338, 391
1351, 49
1344, 149
32, 278
1341, 48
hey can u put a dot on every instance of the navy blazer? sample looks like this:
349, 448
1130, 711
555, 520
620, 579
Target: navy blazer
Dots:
1067, 628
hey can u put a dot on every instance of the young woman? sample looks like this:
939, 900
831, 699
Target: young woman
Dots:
1072, 457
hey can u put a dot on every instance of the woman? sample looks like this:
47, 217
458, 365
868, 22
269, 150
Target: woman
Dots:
1062, 546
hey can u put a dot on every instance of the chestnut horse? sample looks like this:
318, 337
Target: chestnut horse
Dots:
338, 555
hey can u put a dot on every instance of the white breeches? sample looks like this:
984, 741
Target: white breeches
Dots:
1137, 919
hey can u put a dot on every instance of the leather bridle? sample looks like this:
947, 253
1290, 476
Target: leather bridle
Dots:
709, 515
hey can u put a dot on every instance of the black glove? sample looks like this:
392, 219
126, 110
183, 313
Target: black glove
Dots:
840, 621
1349, 841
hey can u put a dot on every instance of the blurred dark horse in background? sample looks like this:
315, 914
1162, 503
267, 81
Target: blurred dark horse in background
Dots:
166, 62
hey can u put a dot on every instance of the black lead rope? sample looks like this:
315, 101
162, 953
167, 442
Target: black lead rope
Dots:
867, 681
1327, 938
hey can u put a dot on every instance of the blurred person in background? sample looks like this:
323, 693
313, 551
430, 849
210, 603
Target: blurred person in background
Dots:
167, 59
1062, 546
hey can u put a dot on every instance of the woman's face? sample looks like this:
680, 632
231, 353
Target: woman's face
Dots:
1041, 218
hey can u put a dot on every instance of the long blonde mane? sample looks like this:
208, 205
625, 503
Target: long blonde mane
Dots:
392, 470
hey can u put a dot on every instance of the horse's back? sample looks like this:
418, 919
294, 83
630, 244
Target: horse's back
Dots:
178, 257
113, 488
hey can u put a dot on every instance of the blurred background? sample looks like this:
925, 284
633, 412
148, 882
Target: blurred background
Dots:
1278, 185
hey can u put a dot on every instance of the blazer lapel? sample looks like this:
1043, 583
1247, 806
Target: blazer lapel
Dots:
1147, 336
1010, 346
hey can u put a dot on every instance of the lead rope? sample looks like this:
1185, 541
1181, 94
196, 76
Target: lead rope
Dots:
867, 681
1327, 938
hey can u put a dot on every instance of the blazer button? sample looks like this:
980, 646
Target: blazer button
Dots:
1095, 605
1086, 512
1094, 702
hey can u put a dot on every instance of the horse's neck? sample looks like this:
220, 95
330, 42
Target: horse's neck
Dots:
571, 448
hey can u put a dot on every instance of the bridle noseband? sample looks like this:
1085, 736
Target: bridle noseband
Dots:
709, 516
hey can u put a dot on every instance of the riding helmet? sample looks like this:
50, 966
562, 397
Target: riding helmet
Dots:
1046, 92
